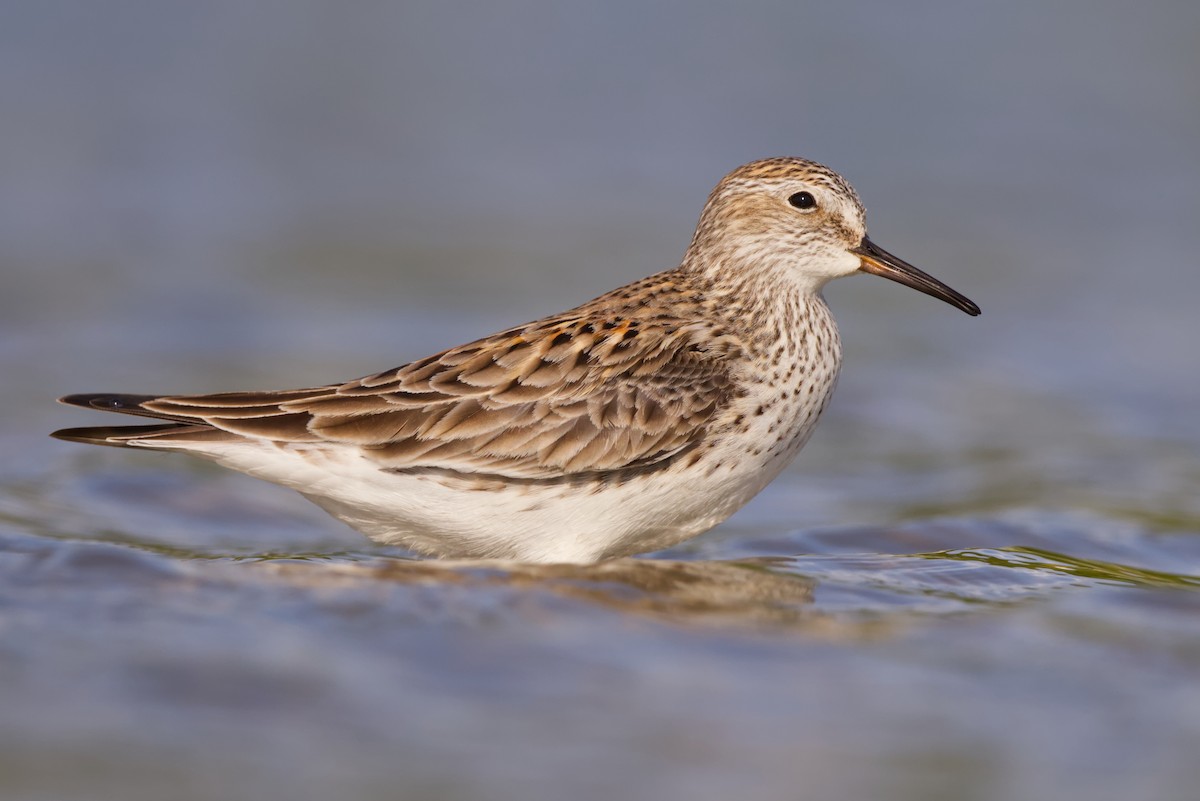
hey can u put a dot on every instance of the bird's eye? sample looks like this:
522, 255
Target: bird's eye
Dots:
803, 200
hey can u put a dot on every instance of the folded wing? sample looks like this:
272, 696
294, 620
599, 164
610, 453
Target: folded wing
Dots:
566, 396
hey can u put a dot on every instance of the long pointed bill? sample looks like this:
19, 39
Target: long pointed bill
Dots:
877, 261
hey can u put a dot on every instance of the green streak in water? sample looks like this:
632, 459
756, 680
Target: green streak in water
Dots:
1093, 569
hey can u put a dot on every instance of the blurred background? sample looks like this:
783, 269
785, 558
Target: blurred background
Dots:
253, 195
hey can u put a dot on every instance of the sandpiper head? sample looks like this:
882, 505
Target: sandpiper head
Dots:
800, 216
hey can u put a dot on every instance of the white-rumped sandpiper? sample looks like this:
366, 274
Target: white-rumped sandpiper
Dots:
628, 424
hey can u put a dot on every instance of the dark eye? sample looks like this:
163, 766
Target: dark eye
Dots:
803, 200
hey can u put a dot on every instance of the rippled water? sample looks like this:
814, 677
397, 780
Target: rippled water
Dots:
978, 581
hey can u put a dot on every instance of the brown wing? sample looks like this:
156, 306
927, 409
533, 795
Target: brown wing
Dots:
564, 396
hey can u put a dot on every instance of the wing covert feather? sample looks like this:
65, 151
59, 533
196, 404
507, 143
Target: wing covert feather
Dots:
563, 396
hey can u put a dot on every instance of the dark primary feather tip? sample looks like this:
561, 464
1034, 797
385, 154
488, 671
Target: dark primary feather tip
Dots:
143, 436
91, 436
108, 402
72, 435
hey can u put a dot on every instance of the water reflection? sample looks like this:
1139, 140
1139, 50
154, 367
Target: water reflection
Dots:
749, 591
